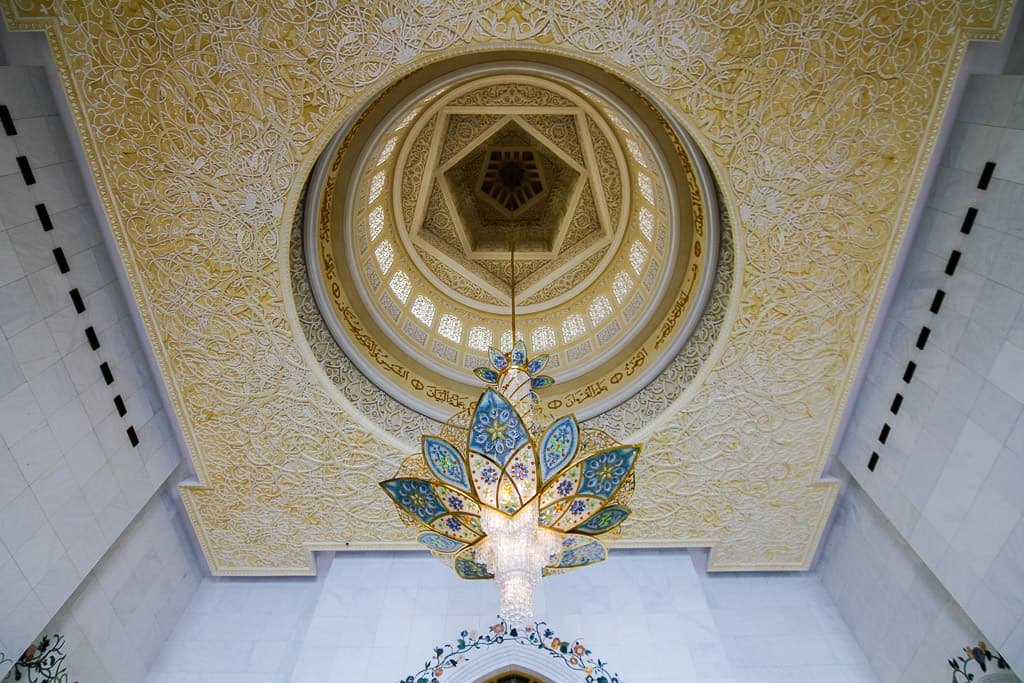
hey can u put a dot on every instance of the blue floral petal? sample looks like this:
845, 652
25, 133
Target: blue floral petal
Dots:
486, 374
416, 497
498, 359
605, 520
537, 364
604, 472
446, 462
496, 431
519, 353
558, 447
441, 544
467, 569
542, 381
582, 555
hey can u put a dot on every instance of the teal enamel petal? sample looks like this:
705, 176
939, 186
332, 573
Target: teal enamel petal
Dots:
604, 472
486, 374
468, 569
558, 447
496, 431
498, 359
582, 555
446, 462
542, 381
416, 497
439, 543
605, 520
537, 364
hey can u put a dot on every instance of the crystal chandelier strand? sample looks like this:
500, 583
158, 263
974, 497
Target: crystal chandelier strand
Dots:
516, 551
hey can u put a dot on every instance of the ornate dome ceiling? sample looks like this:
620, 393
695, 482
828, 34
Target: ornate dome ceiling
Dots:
415, 205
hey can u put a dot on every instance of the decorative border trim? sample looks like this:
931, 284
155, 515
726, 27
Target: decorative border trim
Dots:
573, 655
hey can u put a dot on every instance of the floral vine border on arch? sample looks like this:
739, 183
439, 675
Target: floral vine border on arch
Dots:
574, 654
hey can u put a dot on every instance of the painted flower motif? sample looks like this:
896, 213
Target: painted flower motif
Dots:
453, 524
519, 471
498, 628
564, 487
496, 430
455, 503
577, 507
445, 461
438, 671
489, 475
555, 642
603, 473
579, 649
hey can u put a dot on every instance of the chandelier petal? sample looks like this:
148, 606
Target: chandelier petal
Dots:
446, 462
537, 364
518, 356
497, 358
522, 471
486, 374
486, 476
457, 527
416, 497
470, 569
456, 501
438, 543
581, 555
508, 498
604, 472
558, 447
496, 430
605, 520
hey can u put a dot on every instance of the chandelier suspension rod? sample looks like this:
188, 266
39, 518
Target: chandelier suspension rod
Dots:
512, 279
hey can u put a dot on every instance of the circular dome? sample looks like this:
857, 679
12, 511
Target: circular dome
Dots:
418, 202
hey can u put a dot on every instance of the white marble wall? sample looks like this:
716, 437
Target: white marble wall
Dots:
70, 480
905, 620
376, 618
949, 477
119, 617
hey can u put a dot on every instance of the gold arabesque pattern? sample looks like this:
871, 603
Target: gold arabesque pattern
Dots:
817, 118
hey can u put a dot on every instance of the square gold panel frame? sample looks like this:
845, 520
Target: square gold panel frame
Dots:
200, 127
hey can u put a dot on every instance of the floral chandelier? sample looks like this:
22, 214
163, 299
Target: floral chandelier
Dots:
521, 499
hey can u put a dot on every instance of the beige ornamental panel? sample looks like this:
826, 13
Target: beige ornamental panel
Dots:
201, 121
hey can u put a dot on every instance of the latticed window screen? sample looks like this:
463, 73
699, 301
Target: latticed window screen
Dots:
647, 223
480, 338
376, 185
573, 327
636, 152
600, 308
543, 338
400, 285
505, 341
423, 309
385, 256
376, 222
646, 187
621, 286
389, 147
450, 327
637, 256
